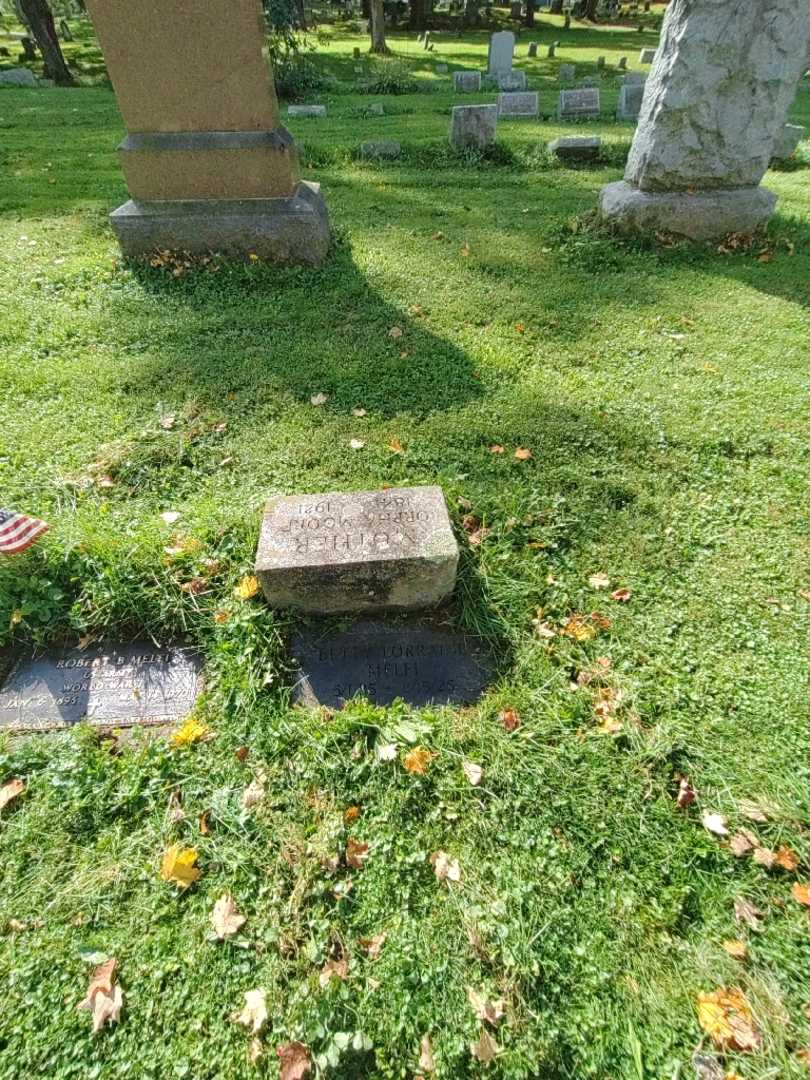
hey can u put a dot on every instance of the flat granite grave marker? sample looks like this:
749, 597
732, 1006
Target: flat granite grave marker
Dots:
306, 110
579, 104
358, 550
107, 686
416, 659
576, 147
525, 104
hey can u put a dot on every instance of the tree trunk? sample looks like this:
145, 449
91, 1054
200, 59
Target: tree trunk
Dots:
528, 18
590, 10
556, 7
378, 28
39, 17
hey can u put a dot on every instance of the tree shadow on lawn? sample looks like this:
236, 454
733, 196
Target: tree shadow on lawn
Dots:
307, 331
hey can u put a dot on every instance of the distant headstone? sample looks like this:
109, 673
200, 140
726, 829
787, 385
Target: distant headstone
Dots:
356, 53
466, 82
646, 56
567, 21
532, 48
630, 98
516, 10
426, 40
306, 110
18, 77
634, 78
576, 147
579, 104
622, 65
473, 125
64, 30
787, 141
511, 81
501, 51
29, 49
568, 72
376, 108
441, 69
590, 81
382, 149
105, 685
418, 660
358, 551
552, 50
519, 104
600, 62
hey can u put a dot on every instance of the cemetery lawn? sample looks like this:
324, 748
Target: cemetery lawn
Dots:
467, 304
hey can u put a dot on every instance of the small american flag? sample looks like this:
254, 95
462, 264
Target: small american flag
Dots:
18, 531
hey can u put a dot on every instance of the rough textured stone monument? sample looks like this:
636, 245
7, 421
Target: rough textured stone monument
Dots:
579, 104
357, 551
473, 125
466, 82
724, 78
519, 104
207, 161
501, 51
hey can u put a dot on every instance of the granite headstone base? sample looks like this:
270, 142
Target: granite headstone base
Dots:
706, 215
106, 686
418, 660
292, 230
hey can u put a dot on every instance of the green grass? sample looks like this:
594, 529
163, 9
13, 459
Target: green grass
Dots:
663, 393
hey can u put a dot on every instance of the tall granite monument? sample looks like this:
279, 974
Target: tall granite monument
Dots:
723, 79
207, 161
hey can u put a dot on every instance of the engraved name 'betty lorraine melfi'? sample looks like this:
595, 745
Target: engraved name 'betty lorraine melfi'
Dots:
357, 551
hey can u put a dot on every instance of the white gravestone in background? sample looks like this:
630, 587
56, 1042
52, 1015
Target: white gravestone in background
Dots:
501, 51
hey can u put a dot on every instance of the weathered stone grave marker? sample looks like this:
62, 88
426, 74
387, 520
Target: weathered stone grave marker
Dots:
579, 104
532, 48
466, 82
473, 125
358, 551
646, 56
576, 147
519, 104
307, 110
207, 161
511, 81
106, 685
419, 660
501, 51
568, 72
630, 99
385, 148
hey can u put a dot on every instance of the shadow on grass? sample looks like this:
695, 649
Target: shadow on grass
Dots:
304, 330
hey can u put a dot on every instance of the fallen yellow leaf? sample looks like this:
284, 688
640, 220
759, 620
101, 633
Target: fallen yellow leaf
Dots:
737, 949
801, 893
726, 1017
254, 1011
178, 866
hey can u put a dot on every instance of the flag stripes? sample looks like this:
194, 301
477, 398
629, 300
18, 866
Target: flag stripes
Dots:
18, 531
